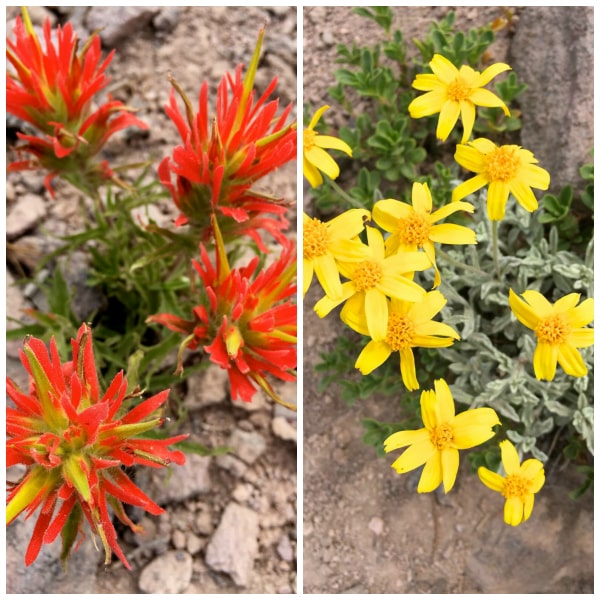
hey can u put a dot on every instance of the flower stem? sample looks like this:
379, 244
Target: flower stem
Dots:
495, 247
352, 201
460, 265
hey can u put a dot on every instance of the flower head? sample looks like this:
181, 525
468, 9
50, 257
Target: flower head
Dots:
75, 440
414, 227
454, 92
560, 329
325, 243
315, 159
52, 88
247, 322
409, 326
506, 169
223, 157
437, 444
373, 279
522, 481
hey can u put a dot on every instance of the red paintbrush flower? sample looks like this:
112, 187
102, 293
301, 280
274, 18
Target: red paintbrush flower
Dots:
247, 322
74, 441
52, 88
221, 158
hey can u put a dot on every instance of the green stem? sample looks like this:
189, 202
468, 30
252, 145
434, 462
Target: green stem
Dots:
495, 247
352, 201
460, 265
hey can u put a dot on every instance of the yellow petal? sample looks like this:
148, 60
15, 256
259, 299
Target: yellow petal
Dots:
566, 303
535, 176
429, 409
312, 174
325, 305
328, 275
496, 200
356, 320
524, 312
427, 308
528, 506
376, 309
434, 335
581, 338
450, 208
414, 456
426, 82
407, 369
428, 104
490, 479
406, 262
333, 143
400, 439
448, 117
470, 157
482, 97
583, 314
467, 115
491, 72
443, 68
317, 116
373, 355
432, 474
524, 195
322, 161
349, 224
510, 457
376, 243
513, 511
421, 198
349, 251
449, 467
387, 213
307, 271
444, 401
484, 145
538, 303
531, 469
400, 287
449, 233
545, 358
570, 360
469, 437
469, 187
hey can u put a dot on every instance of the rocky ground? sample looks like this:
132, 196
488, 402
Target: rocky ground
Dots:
366, 530
230, 521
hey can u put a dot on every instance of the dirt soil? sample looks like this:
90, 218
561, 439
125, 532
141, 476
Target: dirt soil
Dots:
258, 480
365, 529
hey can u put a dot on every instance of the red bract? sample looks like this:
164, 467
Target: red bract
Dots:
247, 323
221, 158
52, 88
75, 441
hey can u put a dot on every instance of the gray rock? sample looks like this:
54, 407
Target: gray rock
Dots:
285, 549
116, 25
168, 17
284, 430
559, 101
169, 573
247, 445
207, 387
25, 216
182, 482
234, 545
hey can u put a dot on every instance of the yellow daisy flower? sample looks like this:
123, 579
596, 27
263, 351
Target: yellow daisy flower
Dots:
410, 325
522, 481
437, 444
373, 279
414, 227
507, 169
324, 243
315, 159
560, 330
453, 93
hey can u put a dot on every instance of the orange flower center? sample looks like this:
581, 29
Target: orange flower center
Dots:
458, 90
553, 330
502, 164
516, 486
414, 230
442, 436
315, 238
367, 275
400, 332
309, 138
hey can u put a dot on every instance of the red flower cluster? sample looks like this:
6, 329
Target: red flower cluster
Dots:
218, 163
74, 441
52, 88
247, 322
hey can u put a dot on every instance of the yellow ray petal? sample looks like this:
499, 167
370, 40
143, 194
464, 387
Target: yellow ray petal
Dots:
470, 157
510, 457
538, 303
328, 275
312, 174
469, 437
545, 358
570, 360
566, 303
491, 72
483, 97
449, 467
421, 198
528, 506
428, 104
445, 402
307, 271
490, 479
325, 305
332, 143
376, 309
524, 311
427, 308
582, 315
466, 188
322, 161
467, 114
427, 82
496, 200
450, 208
349, 224
447, 120
581, 338
429, 409
443, 68
535, 176
414, 456
400, 439
373, 355
513, 511
387, 213
432, 474
524, 195
317, 116
449, 233
408, 370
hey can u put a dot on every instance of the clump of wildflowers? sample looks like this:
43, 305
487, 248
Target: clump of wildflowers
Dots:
53, 89
75, 439
221, 158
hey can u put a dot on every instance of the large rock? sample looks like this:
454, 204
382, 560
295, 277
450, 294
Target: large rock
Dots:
558, 105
